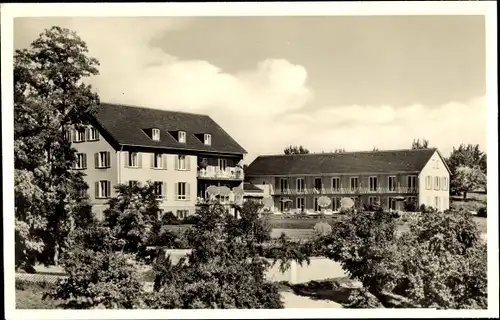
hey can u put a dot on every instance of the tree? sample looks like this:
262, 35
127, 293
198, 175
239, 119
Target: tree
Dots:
132, 214
465, 156
339, 150
417, 144
224, 269
296, 150
50, 99
467, 179
440, 262
375, 149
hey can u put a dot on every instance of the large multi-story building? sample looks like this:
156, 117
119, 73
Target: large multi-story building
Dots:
181, 153
383, 177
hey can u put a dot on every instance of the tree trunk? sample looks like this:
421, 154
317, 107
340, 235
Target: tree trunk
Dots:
465, 195
56, 253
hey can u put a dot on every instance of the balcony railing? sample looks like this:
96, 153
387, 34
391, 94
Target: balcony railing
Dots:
213, 172
332, 191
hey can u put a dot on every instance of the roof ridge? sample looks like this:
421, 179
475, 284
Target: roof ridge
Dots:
335, 153
150, 108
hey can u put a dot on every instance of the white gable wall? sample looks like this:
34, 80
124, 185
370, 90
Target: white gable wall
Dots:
436, 193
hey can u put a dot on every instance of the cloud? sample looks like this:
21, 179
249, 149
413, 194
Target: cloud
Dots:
262, 108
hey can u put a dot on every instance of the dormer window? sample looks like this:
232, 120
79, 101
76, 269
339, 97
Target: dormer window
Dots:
182, 136
155, 135
208, 139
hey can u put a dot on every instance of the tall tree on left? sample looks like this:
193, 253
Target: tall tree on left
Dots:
50, 100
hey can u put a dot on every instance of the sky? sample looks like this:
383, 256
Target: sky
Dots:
351, 82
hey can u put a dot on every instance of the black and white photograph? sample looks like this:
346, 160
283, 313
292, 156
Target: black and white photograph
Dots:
177, 160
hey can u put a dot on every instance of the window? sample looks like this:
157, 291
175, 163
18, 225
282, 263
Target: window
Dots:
428, 182
411, 182
133, 183
103, 189
182, 162
79, 135
444, 183
336, 203
81, 161
392, 203
93, 134
284, 185
182, 191
354, 183
155, 134
103, 159
316, 205
159, 189
437, 205
182, 136
373, 183
133, 159
318, 184
436, 183
81, 193
301, 203
392, 183
182, 214
336, 184
300, 185
159, 161
373, 201
222, 164
208, 139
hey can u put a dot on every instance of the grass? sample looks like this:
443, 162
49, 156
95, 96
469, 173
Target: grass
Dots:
29, 295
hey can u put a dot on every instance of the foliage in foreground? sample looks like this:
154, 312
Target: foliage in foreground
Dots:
440, 262
224, 270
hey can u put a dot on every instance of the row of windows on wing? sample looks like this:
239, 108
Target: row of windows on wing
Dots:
336, 203
393, 184
181, 136
133, 160
182, 189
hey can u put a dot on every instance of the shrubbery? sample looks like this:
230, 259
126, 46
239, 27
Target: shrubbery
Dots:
482, 212
440, 262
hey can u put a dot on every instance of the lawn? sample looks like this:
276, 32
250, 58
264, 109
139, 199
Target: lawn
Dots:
29, 296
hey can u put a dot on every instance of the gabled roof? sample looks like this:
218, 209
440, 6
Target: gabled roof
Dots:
126, 124
341, 163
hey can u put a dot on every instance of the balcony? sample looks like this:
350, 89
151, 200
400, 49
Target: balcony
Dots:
215, 173
346, 191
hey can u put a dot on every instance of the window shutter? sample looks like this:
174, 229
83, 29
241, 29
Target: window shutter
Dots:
176, 162
164, 189
176, 186
108, 159
97, 189
188, 191
84, 161
96, 160
87, 134
96, 134
164, 161
108, 187
73, 134
139, 159
152, 158
188, 163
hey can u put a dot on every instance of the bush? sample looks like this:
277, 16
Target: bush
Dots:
223, 270
99, 280
411, 206
439, 263
482, 212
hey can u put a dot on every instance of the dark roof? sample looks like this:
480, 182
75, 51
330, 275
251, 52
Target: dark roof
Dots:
126, 124
249, 187
346, 162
